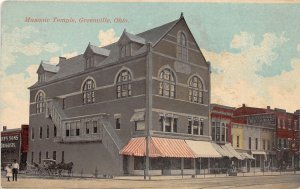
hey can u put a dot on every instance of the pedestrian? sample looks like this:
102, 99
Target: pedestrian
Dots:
15, 169
8, 172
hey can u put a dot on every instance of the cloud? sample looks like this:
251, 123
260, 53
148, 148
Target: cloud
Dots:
14, 43
235, 80
55, 60
107, 37
14, 97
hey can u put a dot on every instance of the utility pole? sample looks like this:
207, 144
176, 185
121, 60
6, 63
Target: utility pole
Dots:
148, 112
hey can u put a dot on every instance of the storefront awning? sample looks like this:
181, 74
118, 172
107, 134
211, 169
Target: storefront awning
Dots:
222, 151
203, 149
258, 153
246, 156
137, 147
232, 151
138, 116
159, 147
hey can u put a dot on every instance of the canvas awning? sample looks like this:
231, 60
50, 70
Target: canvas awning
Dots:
138, 116
256, 152
246, 156
159, 147
222, 151
137, 147
203, 149
232, 151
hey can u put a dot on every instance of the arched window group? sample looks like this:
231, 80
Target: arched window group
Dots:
195, 90
40, 102
167, 83
182, 50
124, 84
88, 91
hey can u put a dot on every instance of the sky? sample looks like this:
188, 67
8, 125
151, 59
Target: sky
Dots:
254, 49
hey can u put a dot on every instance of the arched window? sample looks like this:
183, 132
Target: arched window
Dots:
40, 102
124, 84
88, 91
167, 84
182, 46
195, 90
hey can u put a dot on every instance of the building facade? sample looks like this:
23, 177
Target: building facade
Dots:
14, 146
86, 109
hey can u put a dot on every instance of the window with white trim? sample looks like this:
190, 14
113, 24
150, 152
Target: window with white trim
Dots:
40, 102
88, 91
196, 90
195, 126
124, 84
182, 50
89, 62
72, 129
167, 84
168, 123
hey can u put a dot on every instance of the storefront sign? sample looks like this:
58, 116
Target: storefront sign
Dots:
262, 120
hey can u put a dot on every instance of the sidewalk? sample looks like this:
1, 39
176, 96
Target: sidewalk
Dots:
178, 177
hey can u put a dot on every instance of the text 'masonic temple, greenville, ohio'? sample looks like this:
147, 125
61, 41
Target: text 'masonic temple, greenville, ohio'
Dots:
96, 109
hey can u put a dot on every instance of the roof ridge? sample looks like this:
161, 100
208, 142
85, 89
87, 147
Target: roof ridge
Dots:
158, 27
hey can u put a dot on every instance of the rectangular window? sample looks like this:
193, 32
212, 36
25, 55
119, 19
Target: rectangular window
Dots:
231, 140
118, 125
54, 131
40, 157
213, 130
54, 155
268, 144
32, 133
256, 143
168, 124
62, 156
73, 129
41, 132
139, 125
249, 142
190, 127
284, 143
87, 127
95, 127
264, 144
32, 155
47, 155
47, 134
175, 125
63, 103
196, 127
226, 133
201, 127
279, 143
237, 141
278, 123
223, 133
77, 128
218, 131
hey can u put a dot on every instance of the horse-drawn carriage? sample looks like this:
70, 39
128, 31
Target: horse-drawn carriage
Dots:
50, 167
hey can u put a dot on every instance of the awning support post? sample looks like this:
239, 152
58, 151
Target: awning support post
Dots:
195, 167
182, 165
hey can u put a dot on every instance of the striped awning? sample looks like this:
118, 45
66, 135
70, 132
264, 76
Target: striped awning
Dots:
246, 156
232, 151
203, 149
222, 151
159, 147
137, 147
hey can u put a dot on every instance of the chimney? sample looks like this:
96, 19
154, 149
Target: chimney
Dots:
268, 107
61, 59
4, 128
244, 105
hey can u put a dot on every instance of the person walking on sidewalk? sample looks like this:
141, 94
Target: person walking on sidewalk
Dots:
15, 170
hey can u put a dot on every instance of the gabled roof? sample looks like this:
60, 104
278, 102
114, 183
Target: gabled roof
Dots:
155, 34
97, 50
135, 38
48, 68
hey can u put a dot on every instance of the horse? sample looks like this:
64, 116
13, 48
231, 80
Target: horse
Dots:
65, 166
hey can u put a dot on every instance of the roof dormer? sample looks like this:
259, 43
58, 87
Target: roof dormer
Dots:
128, 43
93, 55
45, 71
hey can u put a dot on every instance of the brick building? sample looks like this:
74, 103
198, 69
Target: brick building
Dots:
98, 109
